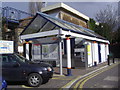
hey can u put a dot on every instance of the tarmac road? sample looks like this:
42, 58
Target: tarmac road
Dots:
106, 78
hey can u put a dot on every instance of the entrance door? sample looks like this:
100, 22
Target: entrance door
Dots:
99, 52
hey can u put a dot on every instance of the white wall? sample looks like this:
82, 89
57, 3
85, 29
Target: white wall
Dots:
104, 52
103, 56
107, 51
89, 53
95, 52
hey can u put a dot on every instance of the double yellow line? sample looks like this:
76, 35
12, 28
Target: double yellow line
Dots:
81, 82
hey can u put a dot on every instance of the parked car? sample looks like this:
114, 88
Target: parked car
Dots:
18, 68
4, 84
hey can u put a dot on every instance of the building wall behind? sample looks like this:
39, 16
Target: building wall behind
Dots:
68, 16
73, 19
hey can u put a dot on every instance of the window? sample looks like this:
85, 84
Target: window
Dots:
12, 59
5, 59
50, 51
8, 59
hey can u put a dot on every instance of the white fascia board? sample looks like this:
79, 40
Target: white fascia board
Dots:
39, 34
51, 7
63, 33
68, 8
74, 11
83, 36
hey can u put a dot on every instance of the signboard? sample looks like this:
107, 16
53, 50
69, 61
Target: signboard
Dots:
79, 49
89, 53
6, 47
89, 49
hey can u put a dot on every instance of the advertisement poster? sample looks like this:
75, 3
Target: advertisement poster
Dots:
89, 52
50, 51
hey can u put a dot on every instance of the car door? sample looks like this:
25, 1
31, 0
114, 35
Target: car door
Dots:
5, 67
11, 70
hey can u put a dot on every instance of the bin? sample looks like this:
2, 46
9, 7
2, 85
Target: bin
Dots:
95, 63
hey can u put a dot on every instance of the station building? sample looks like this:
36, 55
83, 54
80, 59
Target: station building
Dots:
63, 38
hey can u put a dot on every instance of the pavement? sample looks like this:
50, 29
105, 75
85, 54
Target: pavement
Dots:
63, 81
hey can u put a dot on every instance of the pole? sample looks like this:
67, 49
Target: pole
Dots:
86, 57
113, 60
60, 52
108, 60
68, 56
27, 50
60, 57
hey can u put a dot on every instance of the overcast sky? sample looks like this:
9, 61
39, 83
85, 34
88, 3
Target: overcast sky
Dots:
88, 8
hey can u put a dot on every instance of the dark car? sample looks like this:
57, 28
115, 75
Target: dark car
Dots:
18, 68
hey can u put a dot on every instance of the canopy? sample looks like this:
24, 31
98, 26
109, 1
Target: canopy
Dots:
43, 22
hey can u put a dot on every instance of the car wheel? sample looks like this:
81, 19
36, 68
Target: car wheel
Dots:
34, 80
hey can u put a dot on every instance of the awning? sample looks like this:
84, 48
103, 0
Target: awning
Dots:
43, 22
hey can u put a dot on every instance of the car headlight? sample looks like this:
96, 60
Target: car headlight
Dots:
45, 69
49, 68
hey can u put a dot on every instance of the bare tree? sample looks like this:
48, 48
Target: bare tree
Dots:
108, 19
108, 16
35, 6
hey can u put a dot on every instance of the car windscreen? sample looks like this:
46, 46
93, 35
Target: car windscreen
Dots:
23, 59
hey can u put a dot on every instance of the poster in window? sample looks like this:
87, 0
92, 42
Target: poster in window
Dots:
50, 51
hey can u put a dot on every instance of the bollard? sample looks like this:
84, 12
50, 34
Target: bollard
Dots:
113, 60
69, 73
95, 63
108, 60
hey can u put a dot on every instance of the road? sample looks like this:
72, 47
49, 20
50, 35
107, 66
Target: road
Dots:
108, 77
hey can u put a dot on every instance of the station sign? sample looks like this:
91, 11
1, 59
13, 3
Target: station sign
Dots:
6, 47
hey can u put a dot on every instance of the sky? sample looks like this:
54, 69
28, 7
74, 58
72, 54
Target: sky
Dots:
88, 8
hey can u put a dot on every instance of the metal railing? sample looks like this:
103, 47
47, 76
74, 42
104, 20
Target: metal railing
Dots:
14, 14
